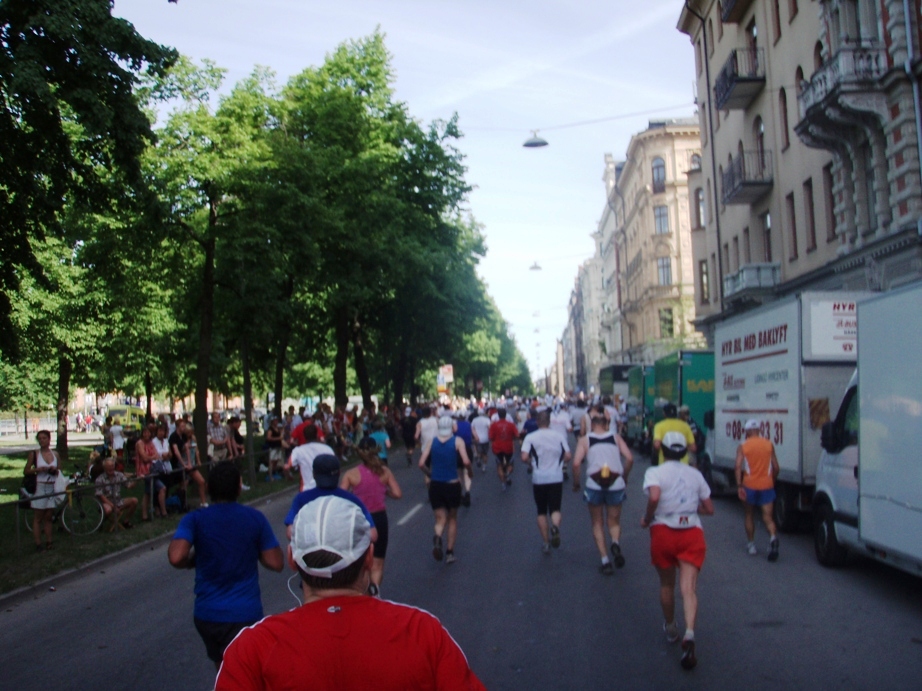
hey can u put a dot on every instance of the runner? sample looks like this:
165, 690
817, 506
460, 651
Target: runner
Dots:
756, 471
302, 457
480, 429
546, 451
502, 434
609, 463
426, 428
444, 486
408, 429
677, 493
464, 430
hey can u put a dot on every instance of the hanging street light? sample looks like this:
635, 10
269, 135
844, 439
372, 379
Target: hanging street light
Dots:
534, 141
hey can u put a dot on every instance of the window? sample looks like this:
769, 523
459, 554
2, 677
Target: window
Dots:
710, 38
817, 56
714, 271
659, 175
792, 223
709, 198
776, 19
695, 162
720, 20
725, 257
698, 209
767, 236
698, 62
809, 215
747, 249
792, 10
869, 185
666, 324
799, 80
758, 132
704, 282
736, 253
829, 201
664, 271
783, 112
661, 219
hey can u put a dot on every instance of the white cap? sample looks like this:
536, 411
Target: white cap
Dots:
751, 425
674, 446
446, 426
331, 524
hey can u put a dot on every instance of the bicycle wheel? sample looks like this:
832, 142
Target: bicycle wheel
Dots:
26, 519
83, 514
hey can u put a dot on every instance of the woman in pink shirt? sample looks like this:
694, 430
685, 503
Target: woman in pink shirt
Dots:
371, 481
145, 453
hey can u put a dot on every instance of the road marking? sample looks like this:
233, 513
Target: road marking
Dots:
412, 512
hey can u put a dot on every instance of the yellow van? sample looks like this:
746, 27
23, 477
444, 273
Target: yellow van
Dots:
131, 417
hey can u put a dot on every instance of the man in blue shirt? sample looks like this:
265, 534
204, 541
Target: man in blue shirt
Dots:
326, 474
224, 543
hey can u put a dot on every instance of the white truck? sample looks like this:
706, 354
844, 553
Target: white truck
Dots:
868, 495
781, 365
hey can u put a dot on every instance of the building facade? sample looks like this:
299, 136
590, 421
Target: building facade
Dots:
810, 159
653, 297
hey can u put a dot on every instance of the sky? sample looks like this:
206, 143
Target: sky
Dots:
506, 68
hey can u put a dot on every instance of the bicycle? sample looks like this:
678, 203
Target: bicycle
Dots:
79, 512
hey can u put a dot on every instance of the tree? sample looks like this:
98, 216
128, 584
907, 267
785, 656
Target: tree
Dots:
63, 60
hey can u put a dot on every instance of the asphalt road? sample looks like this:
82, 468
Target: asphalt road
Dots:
525, 620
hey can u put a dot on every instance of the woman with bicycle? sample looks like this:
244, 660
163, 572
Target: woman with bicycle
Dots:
45, 465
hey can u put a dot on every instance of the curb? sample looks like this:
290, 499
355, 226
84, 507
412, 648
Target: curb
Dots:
28, 591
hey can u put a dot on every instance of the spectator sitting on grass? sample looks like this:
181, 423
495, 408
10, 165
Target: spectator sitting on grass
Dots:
109, 493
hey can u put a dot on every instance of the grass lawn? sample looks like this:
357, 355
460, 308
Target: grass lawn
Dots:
24, 566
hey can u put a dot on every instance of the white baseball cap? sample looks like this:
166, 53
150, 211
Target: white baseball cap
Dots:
331, 524
446, 426
751, 425
674, 446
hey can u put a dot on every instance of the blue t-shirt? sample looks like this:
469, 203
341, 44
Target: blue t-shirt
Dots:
464, 431
309, 495
529, 426
444, 457
228, 539
381, 438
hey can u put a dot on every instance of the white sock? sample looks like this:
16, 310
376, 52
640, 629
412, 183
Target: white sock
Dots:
604, 561
689, 635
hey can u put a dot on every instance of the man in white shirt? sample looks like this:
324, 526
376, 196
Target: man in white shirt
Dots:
676, 494
480, 429
302, 457
546, 451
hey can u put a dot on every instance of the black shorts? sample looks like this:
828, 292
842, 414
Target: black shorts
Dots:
548, 497
409, 441
445, 495
217, 635
381, 525
503, 458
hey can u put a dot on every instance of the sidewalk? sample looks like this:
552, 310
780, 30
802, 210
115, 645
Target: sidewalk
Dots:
14, 443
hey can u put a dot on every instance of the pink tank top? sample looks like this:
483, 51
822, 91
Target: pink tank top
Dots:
370, 490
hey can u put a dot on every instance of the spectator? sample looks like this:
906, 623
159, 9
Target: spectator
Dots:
339, 639
380, 437
229, 541
45, 465
274, 443
145, 454
191, 462
109, 493
217, 438
117, 442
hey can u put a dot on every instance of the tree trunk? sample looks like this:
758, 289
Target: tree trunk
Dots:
400, 378
248, 408
361, 368
282, 353
414, 387
149, 392
342, 355
206, 336
65, 368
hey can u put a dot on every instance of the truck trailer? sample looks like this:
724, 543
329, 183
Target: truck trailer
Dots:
640, 397
781, 365
868, 495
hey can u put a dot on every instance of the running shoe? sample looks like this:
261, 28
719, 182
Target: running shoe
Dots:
773, 549
616, 553
437, 548
671, 631
509, 481
449, 557
606, 569
546, 548
751, 549
466, 499
688, 660
505, 486
555, 536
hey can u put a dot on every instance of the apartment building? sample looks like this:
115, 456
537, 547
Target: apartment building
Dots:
810, 163
653, 297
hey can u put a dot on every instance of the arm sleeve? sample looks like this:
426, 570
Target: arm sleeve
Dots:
186, 529
704, 492
649, 480
267, 539
452, 670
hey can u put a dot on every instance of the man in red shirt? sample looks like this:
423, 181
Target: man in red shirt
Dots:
340, 638
502, 435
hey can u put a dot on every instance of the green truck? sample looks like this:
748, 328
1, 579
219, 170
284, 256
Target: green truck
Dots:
686, 377
640, 397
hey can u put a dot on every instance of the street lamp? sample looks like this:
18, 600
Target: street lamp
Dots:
534, 141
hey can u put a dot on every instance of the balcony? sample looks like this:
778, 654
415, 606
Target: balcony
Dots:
733, 10
748, 179
740, 80
850, 70
659, 186
752, 279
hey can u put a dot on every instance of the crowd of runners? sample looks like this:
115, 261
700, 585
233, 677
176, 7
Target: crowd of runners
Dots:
550, 441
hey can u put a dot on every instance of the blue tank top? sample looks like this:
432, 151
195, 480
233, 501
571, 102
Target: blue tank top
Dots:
444, 460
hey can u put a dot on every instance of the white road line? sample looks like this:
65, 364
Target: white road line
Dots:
412, 512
